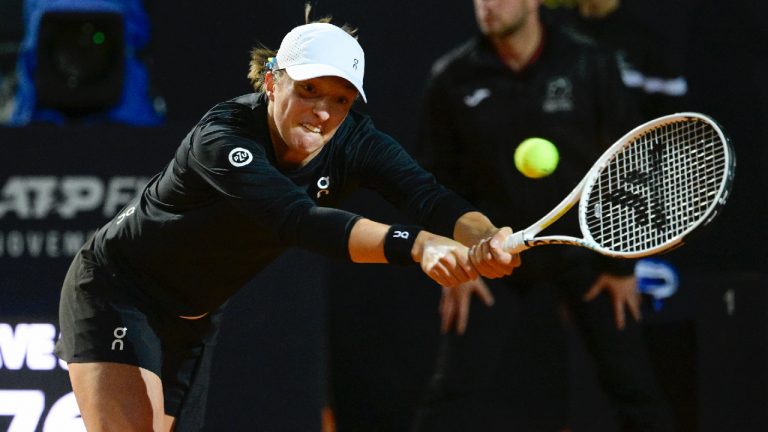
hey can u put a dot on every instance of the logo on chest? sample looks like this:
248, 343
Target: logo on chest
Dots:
477, 96
558, 95
323, 183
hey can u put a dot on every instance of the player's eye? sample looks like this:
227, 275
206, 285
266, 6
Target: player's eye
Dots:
305, 89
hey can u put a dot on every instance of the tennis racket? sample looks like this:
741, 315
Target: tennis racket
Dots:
648, 191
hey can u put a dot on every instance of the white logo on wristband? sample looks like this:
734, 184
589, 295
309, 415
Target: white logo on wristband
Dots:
401, 234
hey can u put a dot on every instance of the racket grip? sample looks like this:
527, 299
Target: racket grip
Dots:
515, 243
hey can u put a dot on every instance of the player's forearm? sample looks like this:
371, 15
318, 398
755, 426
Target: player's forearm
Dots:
366, 242
444, 260
472, 227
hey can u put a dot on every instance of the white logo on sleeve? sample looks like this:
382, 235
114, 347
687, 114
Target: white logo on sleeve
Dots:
240, 157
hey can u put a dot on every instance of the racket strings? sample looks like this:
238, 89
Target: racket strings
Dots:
657, 187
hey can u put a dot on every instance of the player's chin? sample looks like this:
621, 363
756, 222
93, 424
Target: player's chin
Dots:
309, 142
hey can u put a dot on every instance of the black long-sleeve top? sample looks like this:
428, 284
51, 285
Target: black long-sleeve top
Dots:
223, 209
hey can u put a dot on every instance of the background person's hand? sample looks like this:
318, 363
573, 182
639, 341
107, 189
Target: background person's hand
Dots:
454, 304
623, 292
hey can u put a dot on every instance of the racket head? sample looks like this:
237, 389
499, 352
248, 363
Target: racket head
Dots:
657, 184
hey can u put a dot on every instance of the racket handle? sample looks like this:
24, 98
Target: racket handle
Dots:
515, 243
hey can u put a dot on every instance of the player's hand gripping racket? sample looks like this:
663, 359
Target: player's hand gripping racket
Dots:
648, 191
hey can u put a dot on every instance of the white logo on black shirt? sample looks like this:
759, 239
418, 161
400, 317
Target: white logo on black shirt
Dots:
476, 97
323, 183
559, 96
240, 157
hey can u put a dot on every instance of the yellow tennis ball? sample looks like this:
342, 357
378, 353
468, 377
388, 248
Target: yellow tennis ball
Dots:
536, 157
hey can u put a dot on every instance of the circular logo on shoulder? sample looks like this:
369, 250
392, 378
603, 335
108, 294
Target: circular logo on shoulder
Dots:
240, 157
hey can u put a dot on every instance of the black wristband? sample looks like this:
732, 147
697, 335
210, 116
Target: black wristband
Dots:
399, 242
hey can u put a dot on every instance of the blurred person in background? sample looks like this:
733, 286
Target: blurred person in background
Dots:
519, 78
651, 61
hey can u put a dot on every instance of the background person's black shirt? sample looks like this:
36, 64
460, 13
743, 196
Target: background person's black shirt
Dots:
478, 110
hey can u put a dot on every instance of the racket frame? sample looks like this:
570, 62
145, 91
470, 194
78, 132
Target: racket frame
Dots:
527, 238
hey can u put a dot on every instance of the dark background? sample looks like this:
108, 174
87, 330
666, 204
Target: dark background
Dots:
382, 322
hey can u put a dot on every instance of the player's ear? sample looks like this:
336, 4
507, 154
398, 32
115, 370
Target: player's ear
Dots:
269, 85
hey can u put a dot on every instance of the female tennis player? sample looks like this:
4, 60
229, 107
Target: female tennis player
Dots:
258, 174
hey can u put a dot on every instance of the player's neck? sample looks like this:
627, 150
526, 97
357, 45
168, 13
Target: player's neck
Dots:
518, 49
